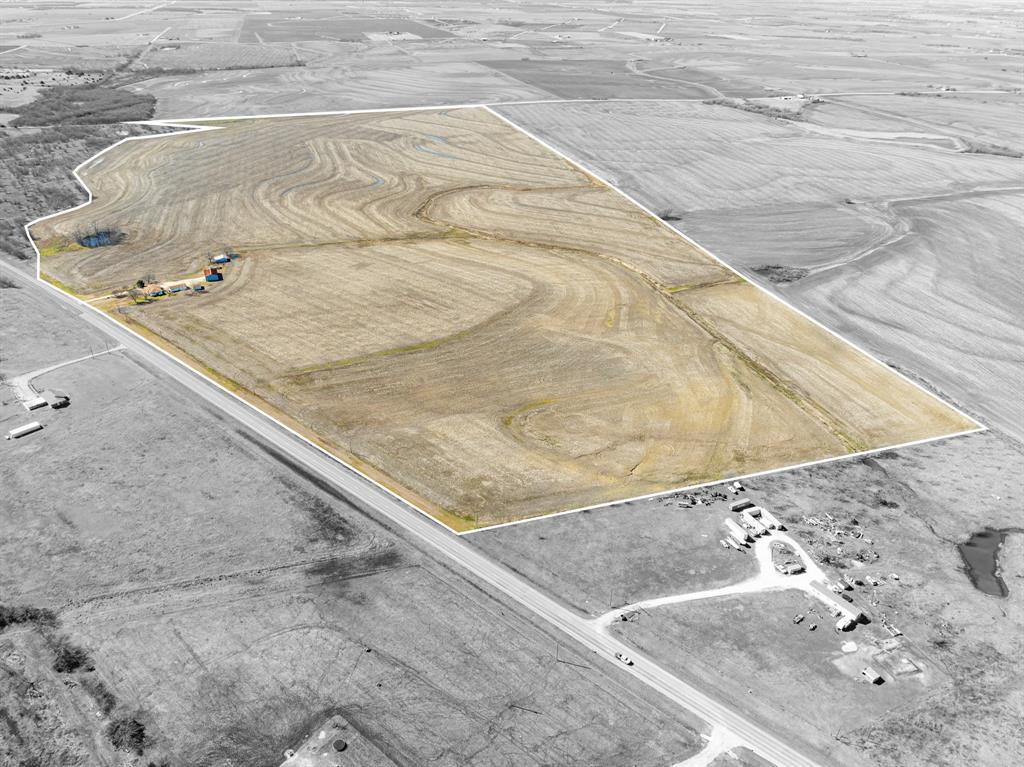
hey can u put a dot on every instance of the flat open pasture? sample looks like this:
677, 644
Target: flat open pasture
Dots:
278, 28
749, 642
694, 159
217, 55
380, 82
985, 118
594, 79
469, 318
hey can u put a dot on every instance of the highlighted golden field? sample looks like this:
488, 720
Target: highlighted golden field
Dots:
468, 317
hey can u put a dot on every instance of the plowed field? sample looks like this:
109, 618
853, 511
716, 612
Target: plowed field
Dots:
468, 317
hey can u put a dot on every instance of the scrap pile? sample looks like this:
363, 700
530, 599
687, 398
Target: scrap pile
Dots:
838, 542
701, 497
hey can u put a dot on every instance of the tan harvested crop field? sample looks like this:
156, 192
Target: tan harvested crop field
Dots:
468, 317
908, 250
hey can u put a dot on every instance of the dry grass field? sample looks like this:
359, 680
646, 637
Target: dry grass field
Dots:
211, 56
749, 642
470, 318
373, 81
600, 559
984, 117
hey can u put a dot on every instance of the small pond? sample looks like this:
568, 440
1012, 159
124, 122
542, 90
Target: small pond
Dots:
980, 554
99, 239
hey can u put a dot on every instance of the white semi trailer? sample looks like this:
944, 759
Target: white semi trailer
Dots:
753, 524
738, 532
770, 521
21, 431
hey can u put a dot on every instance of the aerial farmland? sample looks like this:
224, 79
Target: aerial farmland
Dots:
478, 385
466, 316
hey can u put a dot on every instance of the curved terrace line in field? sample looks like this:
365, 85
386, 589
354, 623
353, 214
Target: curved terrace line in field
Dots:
490, 330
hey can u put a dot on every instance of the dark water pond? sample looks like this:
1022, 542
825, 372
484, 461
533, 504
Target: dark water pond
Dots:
981, 559
99, 239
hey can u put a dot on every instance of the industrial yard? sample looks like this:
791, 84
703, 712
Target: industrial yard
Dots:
447, 234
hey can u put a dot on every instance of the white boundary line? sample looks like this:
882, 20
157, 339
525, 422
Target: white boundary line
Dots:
723, 480
186, 123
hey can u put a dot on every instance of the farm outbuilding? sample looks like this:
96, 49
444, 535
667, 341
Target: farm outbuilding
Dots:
21, 431
55, 398
871, 675
845, 622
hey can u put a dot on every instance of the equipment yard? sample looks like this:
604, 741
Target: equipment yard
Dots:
467, 317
